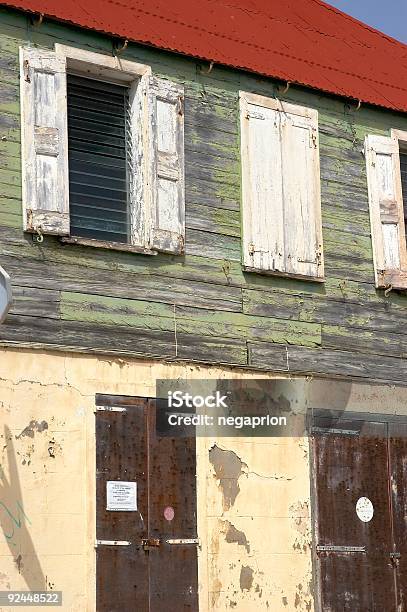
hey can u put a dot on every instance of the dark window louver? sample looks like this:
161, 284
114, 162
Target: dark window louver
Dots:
98, 184
403, 167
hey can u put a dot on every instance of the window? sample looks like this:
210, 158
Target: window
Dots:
282, 231
99, 159
385, 165
102, 151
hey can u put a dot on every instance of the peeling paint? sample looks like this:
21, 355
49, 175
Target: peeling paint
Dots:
228, 469
31, 428
233, 535
246, 578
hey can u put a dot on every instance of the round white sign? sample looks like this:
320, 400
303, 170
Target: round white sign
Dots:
364, 509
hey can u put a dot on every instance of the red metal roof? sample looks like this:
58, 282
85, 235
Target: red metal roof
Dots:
302, 41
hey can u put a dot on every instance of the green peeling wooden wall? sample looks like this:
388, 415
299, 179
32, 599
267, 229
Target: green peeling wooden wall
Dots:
201, 306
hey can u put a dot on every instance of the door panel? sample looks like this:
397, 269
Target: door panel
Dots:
346, 468
150, 575
121, 571
173, 516
398, 479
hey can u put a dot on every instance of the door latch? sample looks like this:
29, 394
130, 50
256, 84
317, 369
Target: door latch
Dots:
150, 543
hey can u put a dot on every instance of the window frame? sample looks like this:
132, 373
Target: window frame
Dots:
135, 75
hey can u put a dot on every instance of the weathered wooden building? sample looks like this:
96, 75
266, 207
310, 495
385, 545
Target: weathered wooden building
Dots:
202, 191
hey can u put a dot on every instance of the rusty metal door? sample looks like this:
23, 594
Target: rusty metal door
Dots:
398, 489
146, 559
360, 480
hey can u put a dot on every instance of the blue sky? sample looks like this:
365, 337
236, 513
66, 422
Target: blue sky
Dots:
389, 16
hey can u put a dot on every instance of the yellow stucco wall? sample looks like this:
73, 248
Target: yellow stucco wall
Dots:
48, 485
255, 551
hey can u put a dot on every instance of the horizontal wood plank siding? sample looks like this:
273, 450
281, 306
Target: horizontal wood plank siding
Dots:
201, 306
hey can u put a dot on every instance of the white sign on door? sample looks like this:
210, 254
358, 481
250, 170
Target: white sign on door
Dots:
121, 495
364, 509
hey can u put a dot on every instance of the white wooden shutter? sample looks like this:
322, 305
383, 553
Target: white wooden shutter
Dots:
166, 112
386, 211
44, 142
282, 231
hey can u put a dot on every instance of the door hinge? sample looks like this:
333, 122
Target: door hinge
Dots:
180, 541
110, 409
334, 430
345, 549
112, 543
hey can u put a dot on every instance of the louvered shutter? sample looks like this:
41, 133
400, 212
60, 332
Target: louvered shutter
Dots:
282, 231
386, 211
44, 142
167, 166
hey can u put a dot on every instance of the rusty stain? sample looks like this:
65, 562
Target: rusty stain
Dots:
19, 563
246, 578
233, 535
228, 468
31, 428
285, 601
217, 587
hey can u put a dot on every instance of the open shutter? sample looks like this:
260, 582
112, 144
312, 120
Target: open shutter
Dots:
166, 111
44, 142
282, 232
386, 211
302, 195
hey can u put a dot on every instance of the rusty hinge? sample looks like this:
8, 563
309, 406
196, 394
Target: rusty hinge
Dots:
252, 250
30, 219
252, 115
180, 105
313, 138
26, 71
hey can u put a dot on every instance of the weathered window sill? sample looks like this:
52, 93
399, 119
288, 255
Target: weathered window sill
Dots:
112, 246
314, 279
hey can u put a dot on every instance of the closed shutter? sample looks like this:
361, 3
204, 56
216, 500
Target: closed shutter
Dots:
386, 211
98, 182
44, 142
167, 166
282, 231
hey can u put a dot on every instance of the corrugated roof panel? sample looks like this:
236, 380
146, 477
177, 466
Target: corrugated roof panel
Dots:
303, 41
